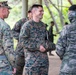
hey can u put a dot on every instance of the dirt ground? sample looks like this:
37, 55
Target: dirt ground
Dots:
54, 64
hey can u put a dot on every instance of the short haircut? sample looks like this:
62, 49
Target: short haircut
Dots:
52, 22
66, 23
36, 6
29, 11
72, 8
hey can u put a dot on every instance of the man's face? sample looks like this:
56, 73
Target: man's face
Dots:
5, 12
30, 15
39, 12
72, 16
52, 24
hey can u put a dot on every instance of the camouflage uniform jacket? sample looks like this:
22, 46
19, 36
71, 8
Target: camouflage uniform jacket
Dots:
16, 29
66, 48
6, 45
32, 35
19, 49
16, 32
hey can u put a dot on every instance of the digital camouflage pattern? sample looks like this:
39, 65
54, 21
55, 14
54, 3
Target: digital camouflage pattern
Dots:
16, 29
63, 73
66, 46
33, 35
19, 62
6, 49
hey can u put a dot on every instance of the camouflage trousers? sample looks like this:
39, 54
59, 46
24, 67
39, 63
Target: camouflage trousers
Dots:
63, 73
20, 59
19, 64
37, 70
6, 73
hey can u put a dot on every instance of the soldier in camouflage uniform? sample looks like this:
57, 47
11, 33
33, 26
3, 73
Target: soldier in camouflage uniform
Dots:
32, 38
66, 45
19, 62
6, 42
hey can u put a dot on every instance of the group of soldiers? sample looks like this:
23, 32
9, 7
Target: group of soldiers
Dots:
31, 48
33, 44
20, 61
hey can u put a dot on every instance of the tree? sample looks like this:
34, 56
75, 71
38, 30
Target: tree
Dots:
70, 1
60, 10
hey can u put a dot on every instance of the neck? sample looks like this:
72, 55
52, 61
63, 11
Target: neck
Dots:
36, 19
1, 17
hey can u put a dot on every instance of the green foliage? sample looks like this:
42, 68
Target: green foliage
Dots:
15, 14
2, 0
47, 17
74, 1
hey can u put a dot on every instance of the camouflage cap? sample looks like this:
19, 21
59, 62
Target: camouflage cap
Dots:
4, 4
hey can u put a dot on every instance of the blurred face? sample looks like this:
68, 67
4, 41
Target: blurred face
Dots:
38, 12
72, 16
30, 15
52, 24
5, 12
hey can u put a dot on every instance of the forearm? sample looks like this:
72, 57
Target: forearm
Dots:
9, 49
15, 35
29, 44
60, 49
10, 54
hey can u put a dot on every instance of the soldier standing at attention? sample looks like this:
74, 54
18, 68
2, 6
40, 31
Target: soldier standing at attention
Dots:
32, 38
66, 45
6, 42
19, 62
